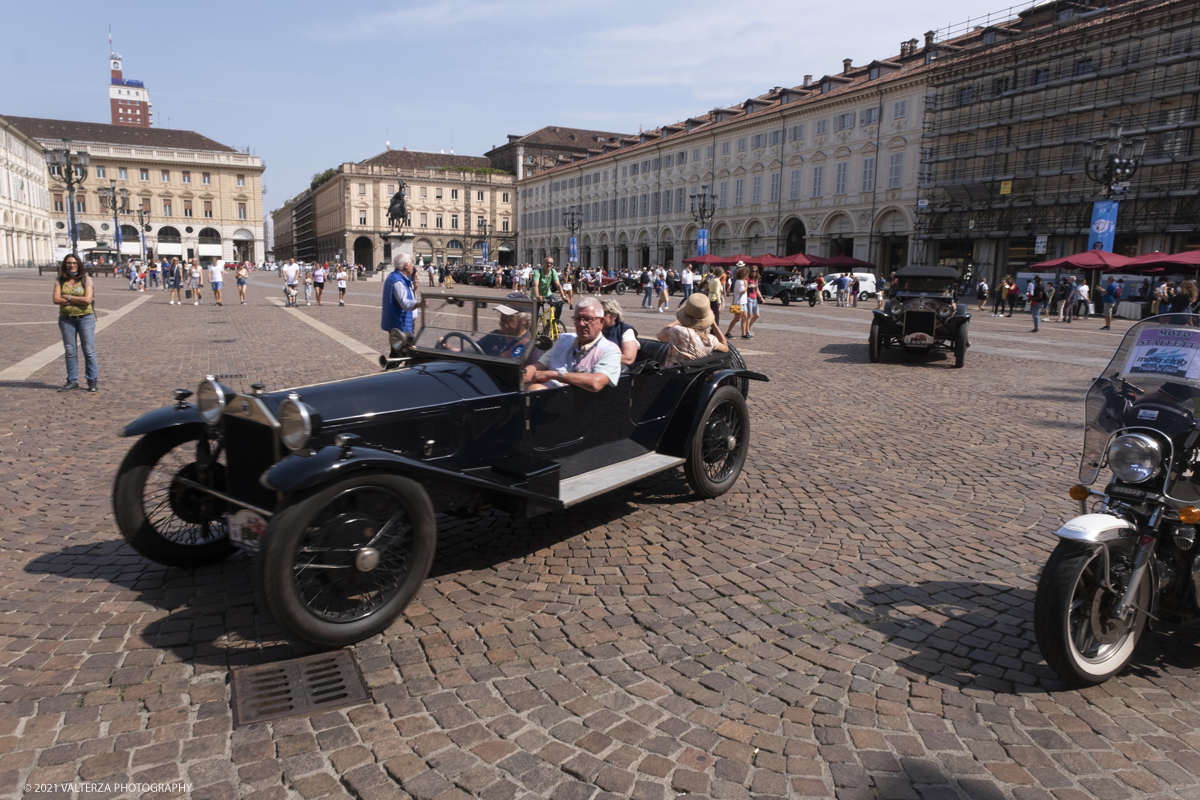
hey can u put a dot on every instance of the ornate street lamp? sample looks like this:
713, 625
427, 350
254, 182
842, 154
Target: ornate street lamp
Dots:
117, 201
1113, 160
704, 208
573, 222
63, 164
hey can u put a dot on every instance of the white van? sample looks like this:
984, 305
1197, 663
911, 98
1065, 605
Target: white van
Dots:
868, 284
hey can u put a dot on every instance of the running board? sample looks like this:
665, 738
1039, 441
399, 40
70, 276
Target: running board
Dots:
590, 484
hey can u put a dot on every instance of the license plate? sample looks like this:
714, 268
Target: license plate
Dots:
918, 338
246, 529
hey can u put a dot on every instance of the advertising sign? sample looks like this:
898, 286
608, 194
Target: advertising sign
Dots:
702, 242
1039, 244
1104, 225
1166, 352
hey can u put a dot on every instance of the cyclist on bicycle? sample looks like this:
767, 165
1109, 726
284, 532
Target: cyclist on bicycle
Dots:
545, 280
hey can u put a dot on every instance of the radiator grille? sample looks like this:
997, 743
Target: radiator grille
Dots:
251, 448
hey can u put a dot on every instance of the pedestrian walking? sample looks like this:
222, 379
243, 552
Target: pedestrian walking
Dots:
195, 280
738, 305
216, 277
1037, 299
243, 277
998, 300
716, 294
753, 298
1066, 308
151, 275
688, 280
1110, 303
660, 288
1014, 291
881, 287
341, 281
400, 295
73, 295
318, 277
981, 293
647, 281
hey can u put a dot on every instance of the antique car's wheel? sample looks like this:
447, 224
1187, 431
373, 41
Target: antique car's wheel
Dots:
622, 288
874, 347
785, 298
812, 299
960, 347
341, 565
161, 517
1078, 637
719, 444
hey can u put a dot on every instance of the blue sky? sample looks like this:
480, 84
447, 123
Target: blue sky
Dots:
308, 85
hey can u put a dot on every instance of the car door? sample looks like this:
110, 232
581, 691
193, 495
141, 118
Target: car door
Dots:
559, 420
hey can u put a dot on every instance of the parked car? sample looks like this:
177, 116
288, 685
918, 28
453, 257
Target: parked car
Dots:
335, 487
783, 285
868, 284
923, 315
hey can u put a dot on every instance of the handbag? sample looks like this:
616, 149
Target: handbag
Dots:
187, 293
735, 309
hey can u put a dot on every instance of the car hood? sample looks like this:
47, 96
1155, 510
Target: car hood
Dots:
421, 386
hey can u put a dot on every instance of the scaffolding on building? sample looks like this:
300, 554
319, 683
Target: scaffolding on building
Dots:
1011, 111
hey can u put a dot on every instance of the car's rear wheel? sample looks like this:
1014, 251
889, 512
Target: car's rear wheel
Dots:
622, 288
812, 299
960, 347
874, 347
719, 444
158, 513
341, 565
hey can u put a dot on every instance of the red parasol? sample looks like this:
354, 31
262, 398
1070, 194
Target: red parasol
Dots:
1087, 260
846, 263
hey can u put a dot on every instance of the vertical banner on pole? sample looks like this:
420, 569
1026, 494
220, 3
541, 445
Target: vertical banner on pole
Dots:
485, 251
1104, 225
72, 228
702, 242
574, 256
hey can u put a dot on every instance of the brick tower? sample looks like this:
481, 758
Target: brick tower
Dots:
129, 99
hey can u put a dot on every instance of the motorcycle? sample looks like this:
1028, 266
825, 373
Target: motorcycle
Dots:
1130, 559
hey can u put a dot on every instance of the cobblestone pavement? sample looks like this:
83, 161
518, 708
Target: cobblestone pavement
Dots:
852, 620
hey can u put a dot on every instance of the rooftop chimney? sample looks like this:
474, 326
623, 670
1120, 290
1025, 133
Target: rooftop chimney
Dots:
846, 65
928, 39
807, 80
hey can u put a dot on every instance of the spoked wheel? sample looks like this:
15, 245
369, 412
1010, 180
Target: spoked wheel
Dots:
622, 288
785, 298
960, 347
812, 299
719, 444
1072, 613
341, 565
873, 344
159, 513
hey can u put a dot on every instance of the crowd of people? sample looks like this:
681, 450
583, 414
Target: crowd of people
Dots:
1069, 298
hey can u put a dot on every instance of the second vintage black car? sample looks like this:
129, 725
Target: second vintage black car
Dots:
922, 315
336, 487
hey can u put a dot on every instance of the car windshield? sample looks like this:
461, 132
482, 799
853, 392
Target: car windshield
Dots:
484, 326
927, 286
1157, 366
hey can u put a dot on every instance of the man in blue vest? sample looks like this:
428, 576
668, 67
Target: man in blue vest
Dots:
400, 295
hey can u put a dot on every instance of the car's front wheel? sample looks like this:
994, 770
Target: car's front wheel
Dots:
812, 299
960, 347
622, 288
341, 565
785, 298
157, 506
874, 345
719, 444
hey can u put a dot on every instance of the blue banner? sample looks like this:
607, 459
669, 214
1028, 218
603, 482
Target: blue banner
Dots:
574, 256
485, 251
118, 237
72, 226
702, 242
1104, 225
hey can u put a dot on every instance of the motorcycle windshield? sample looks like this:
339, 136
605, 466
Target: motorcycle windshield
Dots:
1158, 364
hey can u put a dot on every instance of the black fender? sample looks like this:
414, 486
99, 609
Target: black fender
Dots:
298, 472
163, 418
678, 437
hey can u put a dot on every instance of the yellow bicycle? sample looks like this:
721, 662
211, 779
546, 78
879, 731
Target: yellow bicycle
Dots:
548, 318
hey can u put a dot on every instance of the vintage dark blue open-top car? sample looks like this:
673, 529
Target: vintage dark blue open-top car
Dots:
923, 315
335, 487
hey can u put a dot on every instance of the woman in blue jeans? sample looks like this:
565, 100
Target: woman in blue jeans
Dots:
73, 296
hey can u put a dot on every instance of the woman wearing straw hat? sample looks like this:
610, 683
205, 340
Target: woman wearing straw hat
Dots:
694, 334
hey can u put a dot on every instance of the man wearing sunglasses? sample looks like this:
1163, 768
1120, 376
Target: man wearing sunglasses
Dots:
585, 358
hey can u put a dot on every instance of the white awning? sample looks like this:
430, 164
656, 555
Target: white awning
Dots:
210, 249
169, 249
504, 248
131, 248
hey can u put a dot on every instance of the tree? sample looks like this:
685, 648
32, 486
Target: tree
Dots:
320, 177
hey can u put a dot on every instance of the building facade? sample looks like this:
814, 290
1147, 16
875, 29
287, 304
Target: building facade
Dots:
1012, 117
197, 197
546, 148
826, 168
128, 99
455, 204
25, 239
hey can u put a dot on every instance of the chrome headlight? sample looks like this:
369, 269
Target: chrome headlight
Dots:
896, 308
944, 311
211, 398
295, 422
1134, 457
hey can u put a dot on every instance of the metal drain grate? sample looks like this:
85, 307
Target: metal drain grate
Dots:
295, 688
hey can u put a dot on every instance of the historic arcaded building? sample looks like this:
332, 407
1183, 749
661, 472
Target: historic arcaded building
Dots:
24, 200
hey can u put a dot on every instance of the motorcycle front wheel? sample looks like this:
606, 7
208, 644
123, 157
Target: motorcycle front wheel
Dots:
1076, 633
